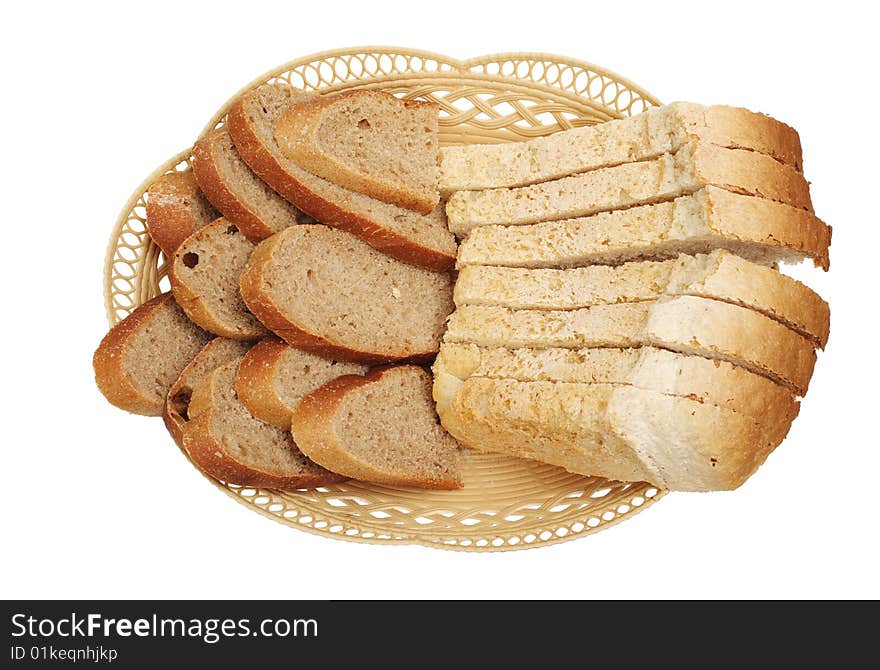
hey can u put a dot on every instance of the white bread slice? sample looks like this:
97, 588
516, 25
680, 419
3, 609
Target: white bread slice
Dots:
215, 353
228, 443
615, 431
719, 275
327, 292
273, 377
751, 227
686, 324
381, 427
706, 380
204, 275
176, 208
237, 192
693, 167
422, 240
368, 141
139, 359
656, 131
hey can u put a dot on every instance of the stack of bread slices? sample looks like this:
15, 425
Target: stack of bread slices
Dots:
619, 311
309, 260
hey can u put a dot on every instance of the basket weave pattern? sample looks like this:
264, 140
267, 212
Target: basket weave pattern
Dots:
507, 503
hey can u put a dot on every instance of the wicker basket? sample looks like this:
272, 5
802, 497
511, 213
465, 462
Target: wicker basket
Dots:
506, 503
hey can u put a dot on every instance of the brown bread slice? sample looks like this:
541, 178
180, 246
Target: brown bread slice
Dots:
204, 278
368, 141
274, 376
380, 428
215, 353
239, 194
422, 240
176, 209
139, 359
327, 292
228, 443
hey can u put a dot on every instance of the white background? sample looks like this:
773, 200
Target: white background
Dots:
98, 503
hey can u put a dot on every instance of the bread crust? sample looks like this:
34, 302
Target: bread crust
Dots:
207, 451
312, 428
299, 126
196, 306
175, 210
108, 361
253, 291
267, 163
255, 383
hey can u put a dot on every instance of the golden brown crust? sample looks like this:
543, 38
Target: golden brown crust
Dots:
213, 185
207, 452
300, 124
268, 167
259, 302
312, 427
255, 383
175, 210
108, 361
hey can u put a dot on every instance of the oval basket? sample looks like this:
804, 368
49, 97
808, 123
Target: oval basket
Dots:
506, 503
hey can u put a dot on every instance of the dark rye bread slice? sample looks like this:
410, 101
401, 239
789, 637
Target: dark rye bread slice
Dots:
228, 443
418, 239
215, 353
327, 292
204, 276
369, 141
139, 359
274, 376
381, 428
176, 209
239, 194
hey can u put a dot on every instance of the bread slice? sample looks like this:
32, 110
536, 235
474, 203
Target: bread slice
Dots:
228, 443
719, 275
686, 324
645, 136
215, 353
615, 431
367, 141
327, 292
204, 278
233, 188
139, 359
693, 167
422, 240
650, 368
381, 427
175, 210
754, 228
274, 376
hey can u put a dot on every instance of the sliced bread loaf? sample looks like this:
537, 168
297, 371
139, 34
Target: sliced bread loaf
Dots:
702, 379
693, 167
175, 210
204, 278
239, 194
719, 275
686, 324
327, 292
754, 228
657, 131
215, 353
422, 240
367, 141
614, 431
274, 376
228, 443
139, 359
381, 427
